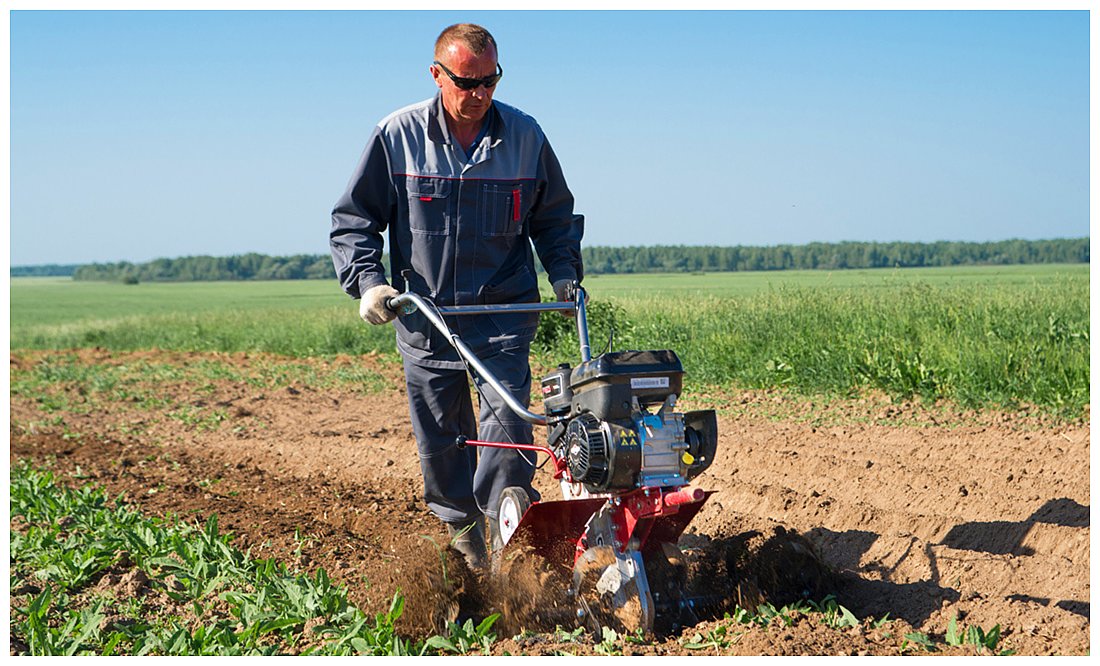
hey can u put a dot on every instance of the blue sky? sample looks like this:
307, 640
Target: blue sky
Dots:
137, 135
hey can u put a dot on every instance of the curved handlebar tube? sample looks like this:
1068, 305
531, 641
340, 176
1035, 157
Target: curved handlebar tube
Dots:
409, 302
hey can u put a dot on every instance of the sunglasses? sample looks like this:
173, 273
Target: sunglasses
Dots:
464, 83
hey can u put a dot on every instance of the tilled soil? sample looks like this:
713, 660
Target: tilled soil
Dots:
922, 514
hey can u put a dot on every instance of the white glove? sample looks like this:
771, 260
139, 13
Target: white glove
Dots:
562, 290
372, 307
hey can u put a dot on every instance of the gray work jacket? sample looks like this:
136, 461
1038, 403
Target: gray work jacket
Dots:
460, 230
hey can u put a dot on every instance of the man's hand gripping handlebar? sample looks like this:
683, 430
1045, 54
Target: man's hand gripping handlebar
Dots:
374, 307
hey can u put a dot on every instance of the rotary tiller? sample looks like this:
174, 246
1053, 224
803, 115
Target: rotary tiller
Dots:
624, 459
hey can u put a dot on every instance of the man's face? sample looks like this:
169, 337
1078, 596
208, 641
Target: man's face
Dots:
465, 106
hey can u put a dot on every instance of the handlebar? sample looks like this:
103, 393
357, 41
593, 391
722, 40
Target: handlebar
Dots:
408, 303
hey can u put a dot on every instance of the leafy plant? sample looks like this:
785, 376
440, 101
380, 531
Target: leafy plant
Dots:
953, 636
767, 613
984, 641
834, 615
918, 639
73, 636
466, 637
238, 605
609, 644
714, 639
568, 636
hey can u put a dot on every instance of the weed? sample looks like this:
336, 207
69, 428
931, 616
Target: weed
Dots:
238, 606
466, 637
198, 418
609, 643
917, 639
834, 615
442, 557
714, 639
563, 636
984, 641
767, 613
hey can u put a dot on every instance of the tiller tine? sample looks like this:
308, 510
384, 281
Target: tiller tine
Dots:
629, 536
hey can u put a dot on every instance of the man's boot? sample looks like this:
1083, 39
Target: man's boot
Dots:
470, 541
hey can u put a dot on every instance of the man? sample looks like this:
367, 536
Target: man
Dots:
463, 185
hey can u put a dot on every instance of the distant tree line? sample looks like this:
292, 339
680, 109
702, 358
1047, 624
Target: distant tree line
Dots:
656, 259
44, 270
832, 256
250, 266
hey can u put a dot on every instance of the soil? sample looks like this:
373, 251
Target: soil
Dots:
919, 512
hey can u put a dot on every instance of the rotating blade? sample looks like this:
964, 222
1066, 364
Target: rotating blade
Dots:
610, 584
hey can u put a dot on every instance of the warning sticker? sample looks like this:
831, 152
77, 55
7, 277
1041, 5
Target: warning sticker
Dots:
648, 382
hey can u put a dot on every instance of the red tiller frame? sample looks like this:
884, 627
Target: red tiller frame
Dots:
653, 515
650, 514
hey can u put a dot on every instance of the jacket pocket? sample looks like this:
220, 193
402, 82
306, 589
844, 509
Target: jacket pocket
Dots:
428, 205
504, 205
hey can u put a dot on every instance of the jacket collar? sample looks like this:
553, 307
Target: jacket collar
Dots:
437, 122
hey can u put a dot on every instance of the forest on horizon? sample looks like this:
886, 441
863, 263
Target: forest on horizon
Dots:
611, 260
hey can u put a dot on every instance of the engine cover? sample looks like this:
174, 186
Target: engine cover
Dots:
601, 455
612, 421
610, 384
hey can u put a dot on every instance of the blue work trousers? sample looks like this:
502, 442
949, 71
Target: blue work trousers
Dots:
462, 484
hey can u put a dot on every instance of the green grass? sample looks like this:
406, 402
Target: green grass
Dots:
742, 284
137, 380
999, 337
37, 302
979, 344
54, 301
293, 317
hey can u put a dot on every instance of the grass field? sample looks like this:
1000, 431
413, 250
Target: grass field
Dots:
997, 337
981, 336
734, 285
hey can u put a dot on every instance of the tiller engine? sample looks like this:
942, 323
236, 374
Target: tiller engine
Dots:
624, 458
